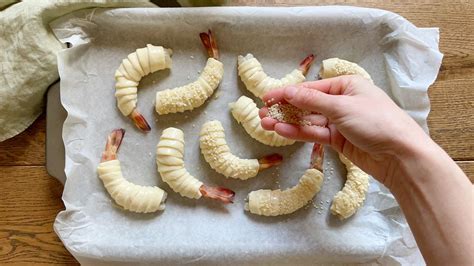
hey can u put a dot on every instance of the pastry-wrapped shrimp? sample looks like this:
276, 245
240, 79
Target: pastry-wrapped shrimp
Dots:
347, 201
217, 154
268, 202
137, 65
259, 83
130, 196
170, 162
334, 67
194, 94
352, 196
245, 111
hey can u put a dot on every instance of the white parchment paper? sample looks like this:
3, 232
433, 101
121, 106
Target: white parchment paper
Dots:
402, 59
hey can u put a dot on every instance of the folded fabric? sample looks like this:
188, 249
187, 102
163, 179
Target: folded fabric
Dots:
5, 3
28, 62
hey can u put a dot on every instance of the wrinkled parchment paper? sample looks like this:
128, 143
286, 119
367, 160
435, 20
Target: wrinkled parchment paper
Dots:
402, 59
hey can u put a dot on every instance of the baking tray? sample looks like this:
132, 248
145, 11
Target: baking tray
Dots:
93, 231
55, 116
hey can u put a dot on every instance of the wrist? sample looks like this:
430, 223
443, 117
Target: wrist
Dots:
422, 167
415, 159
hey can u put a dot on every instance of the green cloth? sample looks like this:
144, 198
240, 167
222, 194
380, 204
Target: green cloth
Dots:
5, 3
28, 62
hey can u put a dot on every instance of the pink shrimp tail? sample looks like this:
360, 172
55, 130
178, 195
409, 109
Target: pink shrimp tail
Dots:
218, 193
306, 63
114, 139
210, 44
317, 156
140, 121
270, 160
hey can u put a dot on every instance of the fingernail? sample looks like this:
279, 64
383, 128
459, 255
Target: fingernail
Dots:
290, 92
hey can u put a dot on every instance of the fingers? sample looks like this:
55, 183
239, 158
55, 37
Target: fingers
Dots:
307, 133
274, 96
316, 119
333, 86
321, 96
337, 139
268, 123
311, 100
303, 98
263, 112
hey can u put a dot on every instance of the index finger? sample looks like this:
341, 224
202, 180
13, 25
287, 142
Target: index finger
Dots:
333, 86
274, 96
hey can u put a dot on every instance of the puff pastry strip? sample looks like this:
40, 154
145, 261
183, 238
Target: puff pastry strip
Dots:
137, 65
132, 197
352, 196
268, 202
170, 163
334, 67
216, 152
193, 95
258, 82
245, 111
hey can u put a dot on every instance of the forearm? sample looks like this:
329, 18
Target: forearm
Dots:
437, 200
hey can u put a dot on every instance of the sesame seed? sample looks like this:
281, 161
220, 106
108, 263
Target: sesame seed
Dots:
192, 57
288, 113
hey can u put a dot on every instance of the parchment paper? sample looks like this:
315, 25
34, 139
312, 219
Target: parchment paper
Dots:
402, 59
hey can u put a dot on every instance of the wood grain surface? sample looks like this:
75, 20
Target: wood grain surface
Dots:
30, 199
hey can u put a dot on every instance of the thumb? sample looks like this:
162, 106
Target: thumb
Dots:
312, 100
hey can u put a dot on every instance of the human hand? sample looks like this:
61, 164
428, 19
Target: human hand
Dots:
354, 117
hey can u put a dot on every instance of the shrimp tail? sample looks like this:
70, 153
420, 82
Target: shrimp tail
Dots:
139, 121
219, 193
210, 44
306, 63
317, 156
114, 139
270, 160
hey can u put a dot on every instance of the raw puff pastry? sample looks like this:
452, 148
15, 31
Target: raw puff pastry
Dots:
137, 65
352, 196
217, 153
258, 82
130, 196
245, 111
170, 162
334, 67
277, 202
192, 95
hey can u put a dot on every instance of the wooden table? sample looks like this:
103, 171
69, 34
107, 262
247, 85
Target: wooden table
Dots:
30, 199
